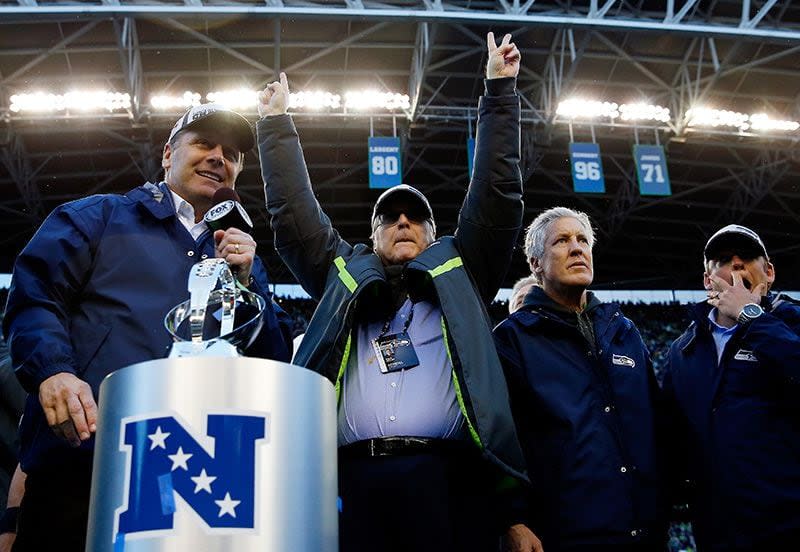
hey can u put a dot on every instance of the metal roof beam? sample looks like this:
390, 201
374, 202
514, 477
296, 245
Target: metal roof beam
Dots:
44, 55
131, 62
449, 14
219, 45
750, 24
341, 44
426, 35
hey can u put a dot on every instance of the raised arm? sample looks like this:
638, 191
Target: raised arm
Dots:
491, 217
304, 236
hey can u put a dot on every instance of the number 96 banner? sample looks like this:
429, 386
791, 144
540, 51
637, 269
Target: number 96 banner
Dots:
651, 170
587, 168
384, 162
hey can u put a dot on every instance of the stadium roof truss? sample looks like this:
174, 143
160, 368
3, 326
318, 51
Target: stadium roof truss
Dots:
740, 56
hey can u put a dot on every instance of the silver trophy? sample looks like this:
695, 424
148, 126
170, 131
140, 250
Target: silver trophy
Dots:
206, 324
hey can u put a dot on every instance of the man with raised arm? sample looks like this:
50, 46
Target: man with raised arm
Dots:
425, 429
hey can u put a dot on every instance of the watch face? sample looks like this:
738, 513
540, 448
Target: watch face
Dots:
752, 310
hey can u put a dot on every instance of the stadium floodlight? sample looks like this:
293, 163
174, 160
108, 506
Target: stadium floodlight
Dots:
576, 108
241, 98
372, 99
315, 101
706, 117
175, 103
644, 112
75, 101
761, 121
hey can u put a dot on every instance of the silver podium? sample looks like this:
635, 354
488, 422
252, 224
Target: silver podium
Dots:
215, 454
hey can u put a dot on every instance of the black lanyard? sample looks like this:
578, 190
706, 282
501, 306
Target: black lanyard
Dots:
388, 322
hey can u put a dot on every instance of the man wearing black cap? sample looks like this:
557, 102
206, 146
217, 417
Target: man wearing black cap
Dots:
401, 329
89, 296
733, 380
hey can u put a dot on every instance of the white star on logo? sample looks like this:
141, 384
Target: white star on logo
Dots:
227, 506
180, 458
159, 439
203, 481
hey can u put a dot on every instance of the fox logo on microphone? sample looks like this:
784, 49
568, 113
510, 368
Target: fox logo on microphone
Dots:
214, 473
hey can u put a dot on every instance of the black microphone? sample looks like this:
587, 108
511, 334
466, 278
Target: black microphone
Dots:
227, 212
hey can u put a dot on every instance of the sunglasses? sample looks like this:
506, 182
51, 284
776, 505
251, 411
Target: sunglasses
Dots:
391, 217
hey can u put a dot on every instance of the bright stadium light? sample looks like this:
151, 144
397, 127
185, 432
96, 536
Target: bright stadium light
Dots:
576, 108
235, 99
706, 117
372, 99
587, 109
314, 100
761, 121
75, 101
175, 103
644, 112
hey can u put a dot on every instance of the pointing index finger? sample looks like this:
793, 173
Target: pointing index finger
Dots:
506, 39
490, 42
737, 279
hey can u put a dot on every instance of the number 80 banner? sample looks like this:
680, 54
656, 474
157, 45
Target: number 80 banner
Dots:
385, 170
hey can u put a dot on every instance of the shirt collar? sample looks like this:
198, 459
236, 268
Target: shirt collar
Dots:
185, 213
716, 328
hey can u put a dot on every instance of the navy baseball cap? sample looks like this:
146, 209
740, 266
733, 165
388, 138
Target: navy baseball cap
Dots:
737, 239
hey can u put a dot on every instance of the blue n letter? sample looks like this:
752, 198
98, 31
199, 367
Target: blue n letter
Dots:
166, 458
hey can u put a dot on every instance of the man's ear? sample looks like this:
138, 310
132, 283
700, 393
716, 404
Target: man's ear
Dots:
707, 281
770, 270
536, 267
166, 157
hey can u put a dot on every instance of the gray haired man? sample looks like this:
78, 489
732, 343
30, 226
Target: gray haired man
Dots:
581, 389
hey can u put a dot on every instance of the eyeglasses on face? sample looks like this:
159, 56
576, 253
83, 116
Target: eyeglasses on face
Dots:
392, 216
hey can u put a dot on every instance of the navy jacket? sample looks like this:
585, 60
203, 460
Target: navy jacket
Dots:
89, 295
742, 425
461, 272
586, 420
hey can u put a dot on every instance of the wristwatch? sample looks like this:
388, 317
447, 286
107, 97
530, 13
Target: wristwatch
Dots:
750, 312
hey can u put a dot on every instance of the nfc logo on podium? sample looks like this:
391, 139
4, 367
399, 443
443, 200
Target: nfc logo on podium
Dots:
215, 475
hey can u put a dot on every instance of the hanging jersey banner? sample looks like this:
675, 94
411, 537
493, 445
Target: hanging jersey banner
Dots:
384, 162
651, 170
587, 168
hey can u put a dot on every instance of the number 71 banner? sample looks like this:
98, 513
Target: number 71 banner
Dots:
651, 170
587, 168
384, 162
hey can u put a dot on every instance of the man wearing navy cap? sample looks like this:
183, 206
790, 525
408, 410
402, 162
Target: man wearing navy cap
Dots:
89, 295
733, 380
402, 331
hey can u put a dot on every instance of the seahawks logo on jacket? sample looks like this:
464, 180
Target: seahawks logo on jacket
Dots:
622, 360
744, 354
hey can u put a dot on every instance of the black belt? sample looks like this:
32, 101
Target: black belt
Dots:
399, 446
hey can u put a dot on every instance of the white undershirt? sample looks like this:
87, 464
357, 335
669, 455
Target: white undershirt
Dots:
185, 213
